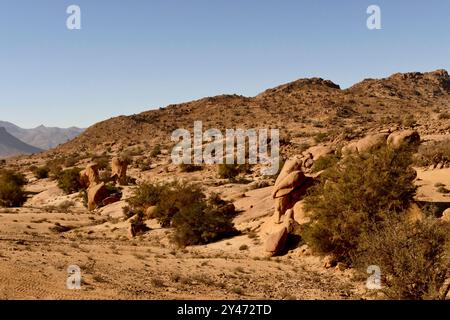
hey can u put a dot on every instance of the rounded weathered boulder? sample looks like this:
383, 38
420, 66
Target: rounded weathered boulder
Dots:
319, 151
150, 212
300, 214
119, 169
276, 242
366, 144
288, 184
446, 215
293, 164
96, 194
404, 138
89, 176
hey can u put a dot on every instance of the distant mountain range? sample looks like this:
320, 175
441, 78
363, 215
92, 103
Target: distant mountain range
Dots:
15, 140
11, 146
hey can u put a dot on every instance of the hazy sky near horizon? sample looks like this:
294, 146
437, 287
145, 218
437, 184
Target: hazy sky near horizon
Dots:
135, 55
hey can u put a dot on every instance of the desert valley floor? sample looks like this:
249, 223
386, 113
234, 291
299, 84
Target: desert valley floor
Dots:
35, 254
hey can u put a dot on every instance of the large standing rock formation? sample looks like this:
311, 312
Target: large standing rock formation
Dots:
96, 194
119, 170
290, 186
90, 176
276, 241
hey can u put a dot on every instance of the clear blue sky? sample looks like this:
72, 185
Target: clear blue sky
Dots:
135, 55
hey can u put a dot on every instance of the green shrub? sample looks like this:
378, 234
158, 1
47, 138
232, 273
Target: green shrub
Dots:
103, 162
190, 167
409, 121
354, 196
321, 137
444, 116
413, 257
138, 225
231, 171
11, 189
204, 222
71, 161
69, 180
175, 197
55, 167
145, 195
325, 162
433, 153
196, 218
41, 172
156, 151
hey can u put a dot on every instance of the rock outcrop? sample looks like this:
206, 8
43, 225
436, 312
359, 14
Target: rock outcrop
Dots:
89, 176
366, 144
96, 194
119, 170
372, 142
399, 139
289, 187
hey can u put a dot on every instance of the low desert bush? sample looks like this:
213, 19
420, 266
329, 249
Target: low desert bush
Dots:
413, 257
196, 218
231, 171
102, 161
444, 116
145, 195
138, 225
204, 222
156, 151
358, 216
325, 162
69, 180
354, 196
190, 167
408, 121
41, 172
433, 153
12, 193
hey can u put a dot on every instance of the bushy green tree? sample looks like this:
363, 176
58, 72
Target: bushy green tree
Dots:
69, 180
12, 193
354, 196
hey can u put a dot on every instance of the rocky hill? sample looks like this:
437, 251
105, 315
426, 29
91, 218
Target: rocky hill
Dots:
11, 146
42, 137
305, 111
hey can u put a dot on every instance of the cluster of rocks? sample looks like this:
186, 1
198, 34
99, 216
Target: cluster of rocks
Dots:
97, 192
394, 140
295, 179
290, 187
